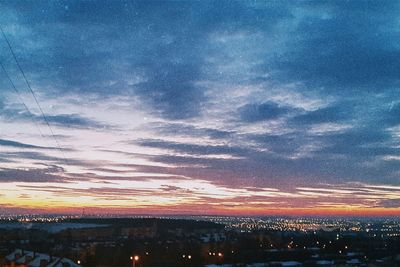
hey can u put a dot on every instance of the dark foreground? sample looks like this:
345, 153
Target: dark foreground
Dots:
145, 242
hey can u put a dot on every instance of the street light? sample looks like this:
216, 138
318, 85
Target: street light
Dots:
134, 259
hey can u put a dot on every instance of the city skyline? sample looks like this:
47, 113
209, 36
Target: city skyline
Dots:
215, 107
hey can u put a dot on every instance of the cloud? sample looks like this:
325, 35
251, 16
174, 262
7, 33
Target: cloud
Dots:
182, 129
264, 111
11, 143
393, 114
51, 174
191, 149
343, 49
28, 155
324, 115
13, 113
74, 121
390, 203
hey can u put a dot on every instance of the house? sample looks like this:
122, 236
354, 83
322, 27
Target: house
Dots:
25, 258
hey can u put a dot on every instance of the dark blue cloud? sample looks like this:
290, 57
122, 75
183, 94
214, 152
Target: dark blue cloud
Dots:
74, 121
195, 149
171, 86
392, 115
62, 120
333, 114
347, 46
284, 145
188, 130
11, 143
360, 142
38, 156
260, 112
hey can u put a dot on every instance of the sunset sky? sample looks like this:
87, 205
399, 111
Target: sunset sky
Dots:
206, 107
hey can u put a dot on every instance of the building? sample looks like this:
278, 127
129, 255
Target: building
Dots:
25, 258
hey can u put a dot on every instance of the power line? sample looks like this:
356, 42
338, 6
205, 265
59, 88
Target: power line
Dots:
32, 92
20, 98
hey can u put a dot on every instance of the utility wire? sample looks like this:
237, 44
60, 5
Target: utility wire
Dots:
32, 92
20, 98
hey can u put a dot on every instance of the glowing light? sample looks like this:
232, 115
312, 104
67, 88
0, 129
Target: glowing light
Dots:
134, 258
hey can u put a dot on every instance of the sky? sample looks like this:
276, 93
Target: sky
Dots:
200, 107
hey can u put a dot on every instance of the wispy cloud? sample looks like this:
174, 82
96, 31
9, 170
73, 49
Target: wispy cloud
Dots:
214, 103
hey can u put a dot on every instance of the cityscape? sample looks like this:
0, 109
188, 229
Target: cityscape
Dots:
199, 241
204, 133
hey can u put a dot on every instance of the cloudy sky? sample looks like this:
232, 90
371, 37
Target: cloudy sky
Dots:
207, 107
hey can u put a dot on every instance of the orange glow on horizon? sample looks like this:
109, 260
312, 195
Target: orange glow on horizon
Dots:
209, 199
212, 210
